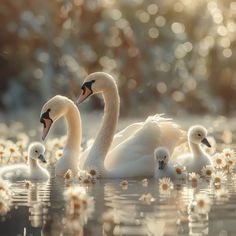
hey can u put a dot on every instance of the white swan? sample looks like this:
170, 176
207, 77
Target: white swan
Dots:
198, 158
33, 171
162, 167
132, 150
55, 108
165, 168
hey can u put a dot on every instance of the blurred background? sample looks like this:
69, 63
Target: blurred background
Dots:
168, 56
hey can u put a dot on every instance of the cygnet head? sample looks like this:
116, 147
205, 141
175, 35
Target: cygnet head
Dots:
98, 82
51, 111
36, 152
161, 156
197, 134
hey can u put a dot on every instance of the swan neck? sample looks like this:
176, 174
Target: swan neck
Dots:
107, 130
73, 123
33, 163
196, 149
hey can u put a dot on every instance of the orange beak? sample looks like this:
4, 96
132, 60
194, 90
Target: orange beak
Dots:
85, 94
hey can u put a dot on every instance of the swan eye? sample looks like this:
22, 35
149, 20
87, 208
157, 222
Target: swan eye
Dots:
36, 151
199, 135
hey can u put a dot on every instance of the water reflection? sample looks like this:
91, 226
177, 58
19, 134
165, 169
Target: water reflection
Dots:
119, 211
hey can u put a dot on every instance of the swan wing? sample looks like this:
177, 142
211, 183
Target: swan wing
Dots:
125, 133
118, 138
141, 143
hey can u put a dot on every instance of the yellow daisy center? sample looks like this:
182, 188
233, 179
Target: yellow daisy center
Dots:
201, 203
86, 181
217, 179
178, 170
165, 186
194, 179
208, 172
93, 172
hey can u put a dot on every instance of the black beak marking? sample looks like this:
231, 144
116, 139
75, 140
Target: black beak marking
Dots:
44, 116
87, 85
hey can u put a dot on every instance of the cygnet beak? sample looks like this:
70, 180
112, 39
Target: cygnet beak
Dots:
205, 142
161, 164
42, 158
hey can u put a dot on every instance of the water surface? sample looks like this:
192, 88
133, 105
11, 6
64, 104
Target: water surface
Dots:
39, 209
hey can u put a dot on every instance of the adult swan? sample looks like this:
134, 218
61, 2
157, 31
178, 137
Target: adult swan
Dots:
130, 153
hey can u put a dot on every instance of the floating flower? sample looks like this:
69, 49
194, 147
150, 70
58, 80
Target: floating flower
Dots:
5, 197
165, 185
73, 193
230, 159
84, 177
68, 175
145, 182
228, 153
194, 177
147, 198
79, 206
27, 184
218, 178
124, 183
207, 171
59, 153
222, 194
4, 205
219, 161
201, 204
180, 171
93, 171
4, 186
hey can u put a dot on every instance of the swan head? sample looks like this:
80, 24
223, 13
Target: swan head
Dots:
36, 152
98, 82
161, 156
198, 134
52, 111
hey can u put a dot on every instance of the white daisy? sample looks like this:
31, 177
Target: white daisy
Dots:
165, 185
180, 171
229, 153
230, 158
193, 177
147, 198
84, 177
68, 175
79, 206
145, 182
218, 178
207, 171
219, 161
93, 171
201, 204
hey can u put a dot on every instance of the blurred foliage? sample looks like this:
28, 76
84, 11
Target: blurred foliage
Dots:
169, 55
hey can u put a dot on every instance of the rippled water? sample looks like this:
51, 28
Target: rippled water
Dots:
38, 209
